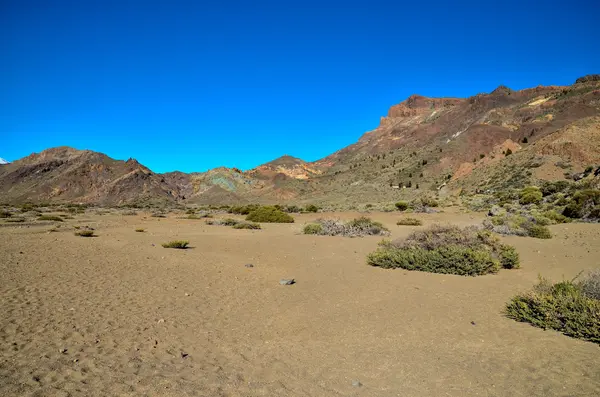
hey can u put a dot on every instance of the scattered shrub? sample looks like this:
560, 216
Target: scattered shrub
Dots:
563, 307
402, 205
409, 222
269, 214
140, 230
158, 215
311, 208
247, 225
199, 216
355, 228
50, 218
228, 222
530, 195
15, 220
130, 213
5, 214
539, 231
585, 204
244, 209
447, 249
313, 228
590, 284
85, 233
180, 244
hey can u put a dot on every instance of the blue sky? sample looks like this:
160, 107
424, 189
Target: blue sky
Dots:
192, 85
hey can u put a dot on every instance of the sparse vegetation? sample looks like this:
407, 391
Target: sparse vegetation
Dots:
569, 307
311, 208
5, 214
355, 228
140, 230
15, 220
447, 249
409, 222
50, 218
247, 225
269, 214
530, 195
179, 244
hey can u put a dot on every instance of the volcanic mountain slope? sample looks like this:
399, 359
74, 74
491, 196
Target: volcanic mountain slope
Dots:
69, 175
423, 145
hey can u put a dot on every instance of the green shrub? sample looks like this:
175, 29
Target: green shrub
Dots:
555, 217
409, 222
427, 201
85, 233
563, 307
246, 225
5, 214
269, 214
50, 218
244, 209
15, 220
447, 249
180, 244
584, 204
313, 228
401, 205
140, 230
590, 284
530, 195
311, 208
228, 222
539, 231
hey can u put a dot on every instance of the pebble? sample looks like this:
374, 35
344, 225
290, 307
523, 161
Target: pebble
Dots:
472, 322
162, 320
184, 355
63, 351
356, 383
249, 265
284, 281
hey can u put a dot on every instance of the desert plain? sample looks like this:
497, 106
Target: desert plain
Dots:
119, 315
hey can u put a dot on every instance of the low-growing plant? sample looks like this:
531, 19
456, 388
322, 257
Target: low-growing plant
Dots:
50, 218
15, 220
5, 214
517, 225
311, 208
564, 307
140, 230
409, 222
447, 249
530, 195
158, 215
358, 227
402, 205
269, 214
85, 233
247, 225
590, 284
179, 244
243, 210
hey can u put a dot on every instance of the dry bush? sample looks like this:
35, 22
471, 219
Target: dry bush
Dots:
355, 228
409, 222
179, 244
447, 249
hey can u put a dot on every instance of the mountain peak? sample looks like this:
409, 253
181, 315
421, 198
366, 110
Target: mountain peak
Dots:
2, 161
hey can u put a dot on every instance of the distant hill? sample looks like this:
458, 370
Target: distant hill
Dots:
443, 145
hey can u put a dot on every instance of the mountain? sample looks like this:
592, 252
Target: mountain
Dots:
2, 161
507, 138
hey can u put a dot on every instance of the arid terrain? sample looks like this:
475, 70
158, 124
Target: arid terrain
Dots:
119, 315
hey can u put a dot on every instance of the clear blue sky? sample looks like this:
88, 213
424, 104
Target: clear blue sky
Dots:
191, 85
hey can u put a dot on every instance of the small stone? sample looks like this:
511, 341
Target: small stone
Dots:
184, 355
284, 281
63, 351
249, 265
472, 322
356, 383
162, 320
186, 294
76, 360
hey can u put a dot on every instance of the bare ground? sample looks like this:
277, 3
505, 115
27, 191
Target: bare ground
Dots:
140, 320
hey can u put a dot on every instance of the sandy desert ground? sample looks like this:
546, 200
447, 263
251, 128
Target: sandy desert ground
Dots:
118, 315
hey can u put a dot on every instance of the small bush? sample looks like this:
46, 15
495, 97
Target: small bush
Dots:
140, 230
401, 205
158, 215
199, 216
228, 222
5, 214
127, 213
15, 220
563, 307
311, 208
530, 195
555, 217
313, 228
355, 228
409, 222
539, 231
247, 225
244, 209
180, 244
269, 214
447, 249
85, 233
50, 218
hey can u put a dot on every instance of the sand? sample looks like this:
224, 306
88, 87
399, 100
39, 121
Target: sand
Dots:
137, 319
